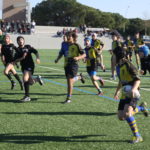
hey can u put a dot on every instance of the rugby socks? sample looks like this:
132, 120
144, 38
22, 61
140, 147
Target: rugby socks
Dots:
132, 123
18, 78
26, 88
10, 78
138, 109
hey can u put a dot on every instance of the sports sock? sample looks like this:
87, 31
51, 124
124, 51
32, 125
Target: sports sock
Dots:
26, 87
10, 78
132, 123
138, 109
18, 78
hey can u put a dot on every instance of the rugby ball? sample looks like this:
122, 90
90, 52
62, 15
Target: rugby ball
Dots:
126, 90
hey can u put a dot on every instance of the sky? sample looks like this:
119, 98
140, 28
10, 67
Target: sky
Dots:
127, 8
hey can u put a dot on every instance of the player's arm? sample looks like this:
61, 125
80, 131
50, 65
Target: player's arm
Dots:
117, 93
81, 52
36, 53
2, 56
59, 57
21, 58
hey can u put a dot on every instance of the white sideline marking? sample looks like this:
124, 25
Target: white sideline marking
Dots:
144, 89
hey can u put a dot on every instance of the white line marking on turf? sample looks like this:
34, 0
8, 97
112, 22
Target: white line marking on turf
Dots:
50, 68
144, 89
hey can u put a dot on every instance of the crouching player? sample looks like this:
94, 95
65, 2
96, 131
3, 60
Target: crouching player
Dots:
27, 65
91, 64
128, 75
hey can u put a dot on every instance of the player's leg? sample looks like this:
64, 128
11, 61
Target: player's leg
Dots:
94, 81
17, 77
26, 76
113, 65
102, 62
128, 111
137, 59
8, 74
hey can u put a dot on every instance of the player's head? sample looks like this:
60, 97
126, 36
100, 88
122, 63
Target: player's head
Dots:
71, 37
120, 53
114, 37
128, 37
94, 36
20, 40
87, 41
7, 38
137, 35
65, 38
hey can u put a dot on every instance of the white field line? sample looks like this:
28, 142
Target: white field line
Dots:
104, 80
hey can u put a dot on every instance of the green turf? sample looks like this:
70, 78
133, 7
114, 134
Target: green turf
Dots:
88, 123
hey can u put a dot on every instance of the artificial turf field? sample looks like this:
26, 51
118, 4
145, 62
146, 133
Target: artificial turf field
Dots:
88, 123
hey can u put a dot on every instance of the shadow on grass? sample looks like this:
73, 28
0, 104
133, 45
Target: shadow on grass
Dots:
60, 113
29, 139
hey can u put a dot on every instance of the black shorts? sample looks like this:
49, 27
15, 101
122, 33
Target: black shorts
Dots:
27, 68
131, 102
71, 70
91, 69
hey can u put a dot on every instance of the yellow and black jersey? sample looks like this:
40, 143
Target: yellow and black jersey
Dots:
138, 42
127, 73
129, 45
74, 50
97, 44
90, 56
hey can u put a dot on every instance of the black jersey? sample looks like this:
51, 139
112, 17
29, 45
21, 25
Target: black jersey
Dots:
28, 60
9, 51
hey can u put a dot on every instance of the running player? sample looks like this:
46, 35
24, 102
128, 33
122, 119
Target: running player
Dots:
8, 52
92, 65
72, 54
128, 75
98, 45
27, 65
137, 43
129, 45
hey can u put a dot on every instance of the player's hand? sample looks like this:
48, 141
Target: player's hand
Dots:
56, 61
38, 61
76, 58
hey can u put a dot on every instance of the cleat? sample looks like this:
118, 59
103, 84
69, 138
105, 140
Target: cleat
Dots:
13, 84
113, 78
25, 99
68, 100
137, 139
39, 78
145, 110
82, 78
100, 93
101, 82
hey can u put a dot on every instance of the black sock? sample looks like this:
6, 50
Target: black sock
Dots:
26, 88
10, 78
18, 78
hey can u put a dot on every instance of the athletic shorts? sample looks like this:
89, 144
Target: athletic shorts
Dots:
71, 70
91, 72
31, 69
131, 102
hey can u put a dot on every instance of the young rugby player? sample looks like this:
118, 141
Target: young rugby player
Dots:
137, 43
8, 53
128, 76
92, 65
72, 54
27, 65
98, 45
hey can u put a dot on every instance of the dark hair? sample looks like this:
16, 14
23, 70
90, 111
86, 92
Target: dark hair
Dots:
20, 37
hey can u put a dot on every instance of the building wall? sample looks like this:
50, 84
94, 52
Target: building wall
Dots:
10, 12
